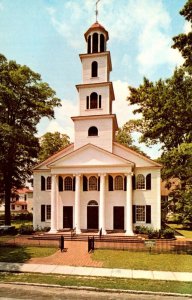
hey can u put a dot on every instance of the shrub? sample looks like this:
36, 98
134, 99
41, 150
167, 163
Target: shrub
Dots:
141, 229
26, 229
168, 233
154, 234
23, 216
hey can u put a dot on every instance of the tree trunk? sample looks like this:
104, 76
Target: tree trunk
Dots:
7, 202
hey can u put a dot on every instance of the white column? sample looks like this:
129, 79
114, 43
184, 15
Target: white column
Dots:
102, 204
53, 204
77, 203
128, 206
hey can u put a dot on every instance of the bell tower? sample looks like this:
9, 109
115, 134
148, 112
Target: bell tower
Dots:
95, 124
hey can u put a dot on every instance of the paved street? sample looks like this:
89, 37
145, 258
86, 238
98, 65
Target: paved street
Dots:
28, 292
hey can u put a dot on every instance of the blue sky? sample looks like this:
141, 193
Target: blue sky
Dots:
48, 35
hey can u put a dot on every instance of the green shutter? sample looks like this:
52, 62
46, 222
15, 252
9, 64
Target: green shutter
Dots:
148, 214
134, 213
42, 183
148, 182
42, 213
85, 184
60, 184
110, 182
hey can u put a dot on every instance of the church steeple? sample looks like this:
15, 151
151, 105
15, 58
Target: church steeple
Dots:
95, 124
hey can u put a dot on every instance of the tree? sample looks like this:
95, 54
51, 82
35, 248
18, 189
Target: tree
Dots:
24, 100
124, 136
166, 109
183, 42
50, 143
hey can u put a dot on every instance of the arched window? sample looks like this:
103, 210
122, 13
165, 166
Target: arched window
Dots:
92, 183
89, 45
119, 183
68, 183
93, 100
93, 131
94, 69
140, 182
95, 42
92, 202
49, 183
102, 43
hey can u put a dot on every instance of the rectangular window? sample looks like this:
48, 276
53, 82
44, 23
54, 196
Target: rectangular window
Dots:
140, 213
48, 212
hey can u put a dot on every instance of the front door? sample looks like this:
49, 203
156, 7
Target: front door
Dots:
67, 216
118, 217
92, 217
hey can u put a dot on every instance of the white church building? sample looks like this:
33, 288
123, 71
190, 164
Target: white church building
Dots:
96, 183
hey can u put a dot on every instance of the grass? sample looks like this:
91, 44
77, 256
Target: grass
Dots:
21, 254
144, 260
110, 283
185, 232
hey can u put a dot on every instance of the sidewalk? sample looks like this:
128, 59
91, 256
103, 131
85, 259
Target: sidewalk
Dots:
94, 271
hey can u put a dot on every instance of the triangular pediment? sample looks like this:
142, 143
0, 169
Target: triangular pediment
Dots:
89, 156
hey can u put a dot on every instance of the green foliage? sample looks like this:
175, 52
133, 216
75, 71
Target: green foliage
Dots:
24, 100
26, 229
124, 136
183, 42
168, 233
50, 143
166, 108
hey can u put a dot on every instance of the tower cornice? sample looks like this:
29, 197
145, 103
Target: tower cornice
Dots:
98, 54
97, 84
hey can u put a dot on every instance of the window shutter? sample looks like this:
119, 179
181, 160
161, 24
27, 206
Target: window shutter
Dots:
98, 183
134, 213
148, 182
42, 183
110, 182
85, 187
87, 103
99, 101
133, 182
148, 214
74, 182
60, 184
125, 183
42, 213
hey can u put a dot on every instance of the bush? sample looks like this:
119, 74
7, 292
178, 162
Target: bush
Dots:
23, 216
141, 229
154, 234
4, 230
168, 233
26, 229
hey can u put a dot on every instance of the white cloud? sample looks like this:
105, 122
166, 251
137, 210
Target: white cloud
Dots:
1, 6
121, 106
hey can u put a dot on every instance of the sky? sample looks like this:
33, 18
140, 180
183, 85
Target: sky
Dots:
48, 36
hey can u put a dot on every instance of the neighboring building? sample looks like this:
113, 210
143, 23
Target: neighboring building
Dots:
96, 183
22, 200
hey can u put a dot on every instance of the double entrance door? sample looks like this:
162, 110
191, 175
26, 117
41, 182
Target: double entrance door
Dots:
118, 217
67, 216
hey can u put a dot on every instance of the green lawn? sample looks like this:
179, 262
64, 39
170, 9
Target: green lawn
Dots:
110, 283
185, 232
21, 254
144, 260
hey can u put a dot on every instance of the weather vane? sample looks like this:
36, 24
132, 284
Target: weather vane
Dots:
96, 12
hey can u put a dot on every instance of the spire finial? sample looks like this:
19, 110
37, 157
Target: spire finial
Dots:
96, 11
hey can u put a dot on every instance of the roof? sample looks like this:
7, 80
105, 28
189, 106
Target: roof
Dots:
96, 26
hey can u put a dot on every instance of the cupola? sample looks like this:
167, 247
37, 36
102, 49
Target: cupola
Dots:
96, 37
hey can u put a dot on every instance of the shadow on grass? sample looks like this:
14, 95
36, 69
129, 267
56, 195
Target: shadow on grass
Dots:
14, 254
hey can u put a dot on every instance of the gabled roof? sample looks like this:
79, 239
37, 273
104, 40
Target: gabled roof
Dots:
132, 153
89, 155
55, 156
